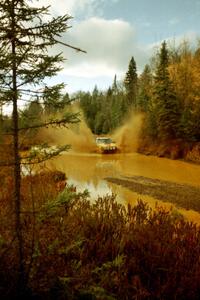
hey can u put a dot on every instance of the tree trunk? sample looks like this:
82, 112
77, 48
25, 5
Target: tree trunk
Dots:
17, 174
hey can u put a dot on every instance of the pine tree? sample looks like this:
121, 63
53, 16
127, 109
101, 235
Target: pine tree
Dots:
144, 89
29, 117
114, 86
166, 109
26, 34
130, 83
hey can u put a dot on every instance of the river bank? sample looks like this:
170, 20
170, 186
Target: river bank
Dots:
174, 149
182, 195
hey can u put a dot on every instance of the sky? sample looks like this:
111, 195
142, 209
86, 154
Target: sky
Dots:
112, 31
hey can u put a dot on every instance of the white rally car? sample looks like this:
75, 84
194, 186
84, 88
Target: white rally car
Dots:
105, 145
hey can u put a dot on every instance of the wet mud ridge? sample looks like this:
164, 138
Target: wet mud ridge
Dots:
185, 196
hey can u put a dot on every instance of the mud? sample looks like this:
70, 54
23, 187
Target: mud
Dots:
78, 136
182, 195
127, 135
82, 140
166, 180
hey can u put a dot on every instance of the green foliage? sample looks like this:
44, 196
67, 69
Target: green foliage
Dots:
130, 83
166, 92
26, 35
145, 83
64, 200
31, 116
25, 39
103, 111
190, 122
43, 152
164, 101
53, 99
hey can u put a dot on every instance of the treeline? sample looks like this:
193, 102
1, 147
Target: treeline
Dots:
103, 111
167, 92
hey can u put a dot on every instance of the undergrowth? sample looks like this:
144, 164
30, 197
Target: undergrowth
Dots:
75, 248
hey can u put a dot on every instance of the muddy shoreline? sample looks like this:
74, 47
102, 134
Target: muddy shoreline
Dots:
181, 195
175, 149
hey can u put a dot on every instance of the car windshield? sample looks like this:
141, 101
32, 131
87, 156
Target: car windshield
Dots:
103, 140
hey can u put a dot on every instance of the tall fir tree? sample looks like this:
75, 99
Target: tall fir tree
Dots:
114, 85
166, 108
144, 89
26, 34
130, 83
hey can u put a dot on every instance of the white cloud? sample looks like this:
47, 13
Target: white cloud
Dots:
85, 8
109, 45
87, 70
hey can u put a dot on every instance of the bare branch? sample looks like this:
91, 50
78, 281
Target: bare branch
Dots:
70, 46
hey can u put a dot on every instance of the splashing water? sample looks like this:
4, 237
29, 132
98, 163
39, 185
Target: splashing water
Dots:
127, 136
82, 140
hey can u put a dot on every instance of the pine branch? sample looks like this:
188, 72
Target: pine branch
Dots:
43, 154
69, 46
72, 119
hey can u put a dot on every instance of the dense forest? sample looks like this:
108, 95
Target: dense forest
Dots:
166, 92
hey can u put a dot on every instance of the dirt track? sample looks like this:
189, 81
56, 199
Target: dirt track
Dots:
185, 196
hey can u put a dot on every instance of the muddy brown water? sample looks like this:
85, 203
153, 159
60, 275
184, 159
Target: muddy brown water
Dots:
88, 171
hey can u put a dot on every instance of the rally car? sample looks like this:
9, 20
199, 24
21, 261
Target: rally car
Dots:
105, 145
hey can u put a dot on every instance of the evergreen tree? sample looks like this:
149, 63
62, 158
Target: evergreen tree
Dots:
65, 101
95, 92
144, 89
30, 116
88, 105
52, 98
166, 107
104, 111
109, 92
114, 85
130, 83
25, 37
118, 99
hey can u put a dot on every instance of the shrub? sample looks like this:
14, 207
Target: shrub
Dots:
104, 250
